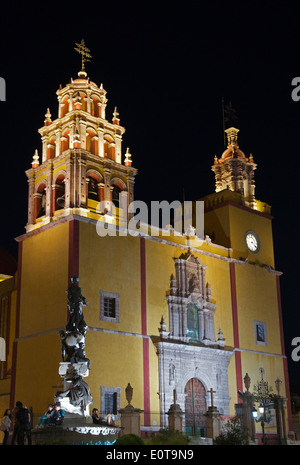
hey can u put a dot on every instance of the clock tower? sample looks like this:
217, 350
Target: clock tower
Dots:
234, 217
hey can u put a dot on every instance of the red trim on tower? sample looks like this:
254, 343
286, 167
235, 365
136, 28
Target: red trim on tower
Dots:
285, 365
73, 249
146, 373
236, 342
73, 266
7, 338
17, 329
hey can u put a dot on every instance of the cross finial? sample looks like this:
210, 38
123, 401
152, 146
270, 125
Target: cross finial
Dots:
84, 52
174, 396
212, 392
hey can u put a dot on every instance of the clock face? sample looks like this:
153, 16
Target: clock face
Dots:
252, 241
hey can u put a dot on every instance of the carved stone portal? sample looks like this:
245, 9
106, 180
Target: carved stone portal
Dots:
189, 350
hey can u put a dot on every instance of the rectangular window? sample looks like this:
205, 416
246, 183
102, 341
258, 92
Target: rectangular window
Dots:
110, 403
109, 306
260, 332
110, 400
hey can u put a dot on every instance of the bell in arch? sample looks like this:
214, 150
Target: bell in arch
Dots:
61, 201
92, 189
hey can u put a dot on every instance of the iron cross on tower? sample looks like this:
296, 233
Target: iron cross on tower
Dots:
84, 52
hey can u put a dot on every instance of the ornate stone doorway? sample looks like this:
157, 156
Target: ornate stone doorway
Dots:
195, 407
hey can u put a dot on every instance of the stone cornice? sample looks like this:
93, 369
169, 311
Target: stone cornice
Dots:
88, 118
186, 247
88, 156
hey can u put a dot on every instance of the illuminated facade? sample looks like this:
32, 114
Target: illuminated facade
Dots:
164, 312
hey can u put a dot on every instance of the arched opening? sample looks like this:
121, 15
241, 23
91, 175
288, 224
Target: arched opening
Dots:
95, 106
92, 141
65, 140
195, 408
93, 190
109, 147
116, 196
40, 201
64, 108
59, 193
51, 148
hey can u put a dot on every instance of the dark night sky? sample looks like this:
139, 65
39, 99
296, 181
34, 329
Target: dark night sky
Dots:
166, 66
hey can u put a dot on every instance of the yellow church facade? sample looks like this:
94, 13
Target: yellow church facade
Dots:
165, 311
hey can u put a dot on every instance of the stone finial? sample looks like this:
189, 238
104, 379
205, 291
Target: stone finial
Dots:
163, 328
115, 119
47, 120
163, 324
35, 162
128, 160
221, 341
173, 284
190, 231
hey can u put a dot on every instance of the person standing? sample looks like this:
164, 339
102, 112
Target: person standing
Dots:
23, 417
15, 423
5, 425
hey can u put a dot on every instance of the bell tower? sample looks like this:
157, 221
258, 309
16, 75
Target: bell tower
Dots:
234, 171
80, 170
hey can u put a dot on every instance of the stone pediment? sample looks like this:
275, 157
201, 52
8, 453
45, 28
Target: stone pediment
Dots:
189, 257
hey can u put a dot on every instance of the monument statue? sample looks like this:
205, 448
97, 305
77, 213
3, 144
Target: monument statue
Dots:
76, 396
76, 301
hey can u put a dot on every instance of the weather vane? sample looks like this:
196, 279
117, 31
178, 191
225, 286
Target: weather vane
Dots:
84, 52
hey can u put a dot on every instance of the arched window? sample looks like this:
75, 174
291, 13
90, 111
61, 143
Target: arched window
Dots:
65, 140
115, 196
192, 323
51, 148
40, 201
109, 147
95, 106
59, 192
64, 106
93, 191
92, 141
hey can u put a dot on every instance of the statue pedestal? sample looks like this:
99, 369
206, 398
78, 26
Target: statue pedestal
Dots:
175, 415
212, 422
130, 420
76, 431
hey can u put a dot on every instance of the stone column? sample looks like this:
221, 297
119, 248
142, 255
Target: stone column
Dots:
31, 202
212, 422
100, 143
123, 209
49, 202
175, 415
212, 419
118, 148
248, 404
130, 187
69, 186
58, 142
44, 152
